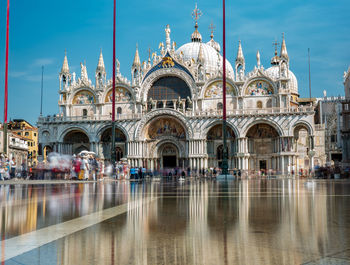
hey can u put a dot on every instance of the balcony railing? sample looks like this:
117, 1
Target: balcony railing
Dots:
188, 113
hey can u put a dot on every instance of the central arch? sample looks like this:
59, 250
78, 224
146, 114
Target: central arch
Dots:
263, 144
165, 139
169, 155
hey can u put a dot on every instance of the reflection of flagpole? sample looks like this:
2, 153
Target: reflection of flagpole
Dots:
224, 165
113, 91
6, 76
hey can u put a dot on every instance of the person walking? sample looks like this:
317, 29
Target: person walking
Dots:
86, 168
12, 168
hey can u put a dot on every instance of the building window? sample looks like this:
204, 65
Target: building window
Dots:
84, 112
34, 134
219, 106
333, 138
26, 133
259, 105
119, 110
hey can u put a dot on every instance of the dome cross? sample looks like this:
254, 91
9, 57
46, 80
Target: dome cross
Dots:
196, 14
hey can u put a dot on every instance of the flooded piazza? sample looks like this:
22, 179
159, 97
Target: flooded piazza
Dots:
276, 221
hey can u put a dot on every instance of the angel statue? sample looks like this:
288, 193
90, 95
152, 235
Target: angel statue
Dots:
161, 47
189, 102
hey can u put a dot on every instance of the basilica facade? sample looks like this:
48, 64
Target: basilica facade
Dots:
169, 114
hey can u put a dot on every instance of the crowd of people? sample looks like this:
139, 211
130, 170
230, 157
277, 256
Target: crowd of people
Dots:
87, 166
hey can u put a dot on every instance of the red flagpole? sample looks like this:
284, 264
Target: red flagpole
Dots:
224, 62
6, 75
7, 60
113, 155
113, 93
224, 166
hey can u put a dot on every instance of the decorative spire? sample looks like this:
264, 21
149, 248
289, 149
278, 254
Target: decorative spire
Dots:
101, 64
196, 36
201, 55
167, 38
275, 60
240, 56
65, 67
137, 62
258, 58
284, 53
212, 29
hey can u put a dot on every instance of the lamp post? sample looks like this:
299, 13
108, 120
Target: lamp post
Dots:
6, 76
224, 165
113, 155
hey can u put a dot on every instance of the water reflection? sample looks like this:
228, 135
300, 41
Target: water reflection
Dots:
245, 222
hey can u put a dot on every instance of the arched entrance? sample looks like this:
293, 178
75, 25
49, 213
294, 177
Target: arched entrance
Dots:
215, 147
263, 144
303, 146
106, 141
165, 140
74, 142
169, 154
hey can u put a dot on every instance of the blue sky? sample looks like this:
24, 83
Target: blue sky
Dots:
41, 30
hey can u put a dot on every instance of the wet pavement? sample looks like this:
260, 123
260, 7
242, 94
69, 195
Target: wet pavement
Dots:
278, 221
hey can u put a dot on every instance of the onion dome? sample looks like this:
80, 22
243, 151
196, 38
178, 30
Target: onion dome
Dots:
211, 58
213, 43
196, 36
274, 73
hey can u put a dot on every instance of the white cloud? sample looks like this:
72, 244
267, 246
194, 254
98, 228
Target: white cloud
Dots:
43, 61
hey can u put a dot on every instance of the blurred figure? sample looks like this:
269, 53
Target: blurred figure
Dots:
12, 168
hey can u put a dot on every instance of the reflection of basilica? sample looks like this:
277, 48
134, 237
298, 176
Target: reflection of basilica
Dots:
169, 113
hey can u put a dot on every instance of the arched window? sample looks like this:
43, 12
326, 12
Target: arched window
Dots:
169, 88
219, 106
119, 110
84, 113
259, 105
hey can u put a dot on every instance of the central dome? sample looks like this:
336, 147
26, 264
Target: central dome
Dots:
211, 58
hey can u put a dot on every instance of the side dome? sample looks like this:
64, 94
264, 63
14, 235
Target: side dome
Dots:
274, 73
212, 58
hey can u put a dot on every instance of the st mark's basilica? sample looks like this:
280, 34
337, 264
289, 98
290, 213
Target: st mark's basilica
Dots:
169, 114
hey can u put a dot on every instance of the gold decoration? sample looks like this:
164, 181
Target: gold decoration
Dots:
167, 62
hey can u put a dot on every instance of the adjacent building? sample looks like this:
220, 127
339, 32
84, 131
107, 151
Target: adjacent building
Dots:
329, 117
28, 132
346, 120
169, 113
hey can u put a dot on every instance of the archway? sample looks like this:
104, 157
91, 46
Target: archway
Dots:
167, 90
74, 142
106, 141
215, 147
263, 144
302, 145
165, 142
169, 155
